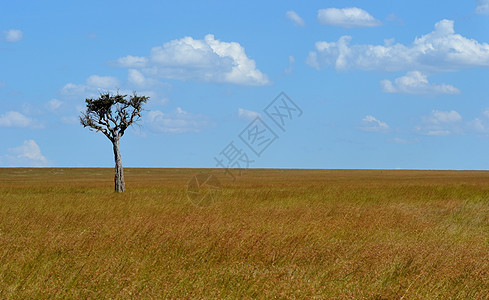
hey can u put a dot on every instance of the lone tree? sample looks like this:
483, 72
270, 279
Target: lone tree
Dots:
112, 115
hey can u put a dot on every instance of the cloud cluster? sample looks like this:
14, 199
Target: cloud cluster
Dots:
137, 78
394, 18
482, 7
347, 17
372, 124
416, 83
207, 60
481, 124
289, 69
295, 18
13, 35
441, 123
94, 84
132, 61
437, 123
248, 115
14, 119
179, 121
53, 104
102, 82
29, 151
440, 50
439, 117
399, 140
27, 154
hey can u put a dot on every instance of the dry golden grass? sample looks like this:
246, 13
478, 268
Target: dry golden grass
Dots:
273, 233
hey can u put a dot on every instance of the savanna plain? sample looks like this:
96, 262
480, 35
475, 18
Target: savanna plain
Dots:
287, 234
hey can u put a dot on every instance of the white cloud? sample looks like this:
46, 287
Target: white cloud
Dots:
102, 82
94, 84
179, 121
347, 17
441, 123
136, 77
28, 154
394, 18
481, 124
247, 114
13, 35
439, 50
132, 62
29, 150
451, 122
16, 119
438, 117
482, 7
288, 70
54, 104
372, 124
294, 17
440, 132
73, 90
416, 83
208, 60
399, 140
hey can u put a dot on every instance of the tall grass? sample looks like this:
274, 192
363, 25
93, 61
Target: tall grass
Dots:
272, 233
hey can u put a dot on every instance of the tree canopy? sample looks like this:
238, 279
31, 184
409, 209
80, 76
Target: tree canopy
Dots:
112, 114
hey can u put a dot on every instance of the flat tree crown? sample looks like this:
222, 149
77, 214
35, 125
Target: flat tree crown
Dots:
112, 114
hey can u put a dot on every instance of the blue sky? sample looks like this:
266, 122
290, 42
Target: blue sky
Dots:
381, 84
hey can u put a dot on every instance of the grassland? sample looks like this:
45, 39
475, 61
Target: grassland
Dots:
272, 233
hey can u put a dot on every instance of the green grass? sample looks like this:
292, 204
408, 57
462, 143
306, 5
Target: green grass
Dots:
272, 233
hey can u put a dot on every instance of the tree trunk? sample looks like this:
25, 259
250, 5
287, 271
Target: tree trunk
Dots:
119, 171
